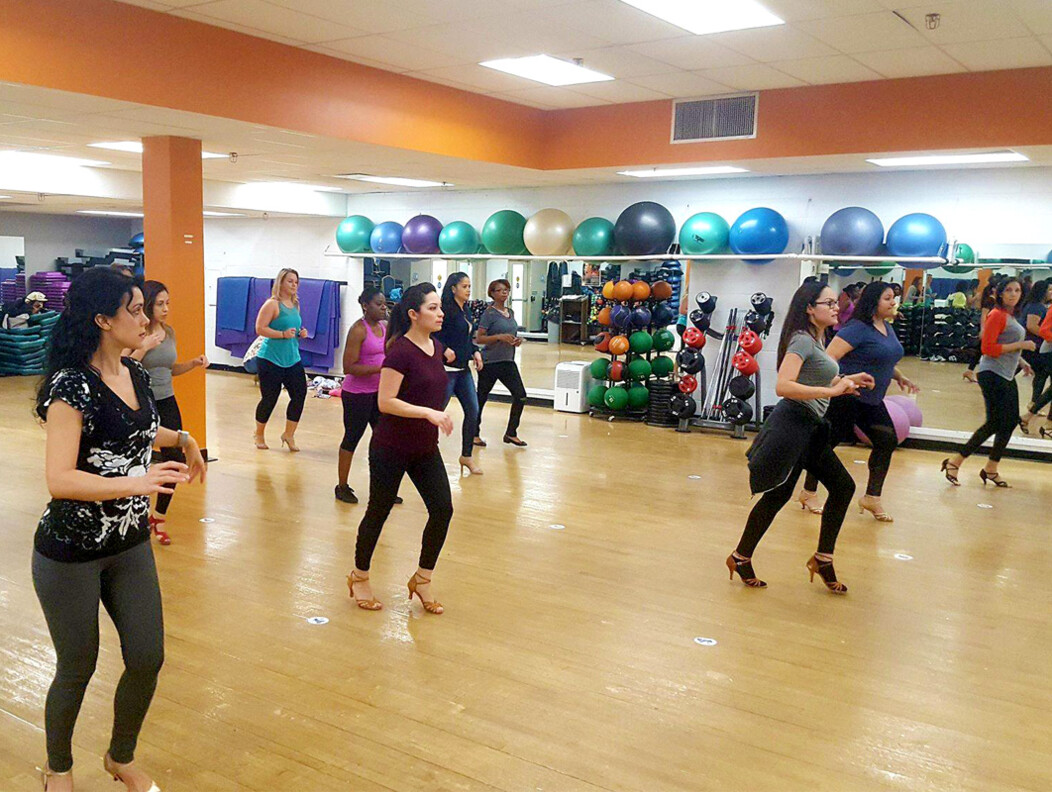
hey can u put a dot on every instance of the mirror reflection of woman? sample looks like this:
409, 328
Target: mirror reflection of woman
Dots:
280, 366
796, 435
986, 304
1004, 340
1035, 308
456, 337
498, 334
867, 344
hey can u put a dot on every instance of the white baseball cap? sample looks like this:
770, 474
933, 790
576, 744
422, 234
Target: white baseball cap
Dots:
36, 297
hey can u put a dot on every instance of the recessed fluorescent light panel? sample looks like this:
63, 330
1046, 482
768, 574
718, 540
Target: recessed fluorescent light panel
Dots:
108, 213
710, 170
222, 214
397, 181
29, 159
949, 159
135, 147
546, 69
709, 16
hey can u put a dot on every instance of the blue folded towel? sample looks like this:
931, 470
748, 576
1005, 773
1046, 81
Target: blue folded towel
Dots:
232, 303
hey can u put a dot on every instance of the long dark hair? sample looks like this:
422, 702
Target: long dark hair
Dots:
866, 307
412, 299
796, 317
150, 290
999, 298
449, 302
1038, 292
75, 337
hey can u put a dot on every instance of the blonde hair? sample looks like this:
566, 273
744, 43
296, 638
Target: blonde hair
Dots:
275, 291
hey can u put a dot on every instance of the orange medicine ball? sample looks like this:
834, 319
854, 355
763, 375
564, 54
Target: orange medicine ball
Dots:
640, 291
661, 290
608, 289
623, 291
603, 317
618, 345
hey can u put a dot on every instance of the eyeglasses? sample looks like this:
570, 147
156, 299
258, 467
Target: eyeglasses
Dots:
827, 303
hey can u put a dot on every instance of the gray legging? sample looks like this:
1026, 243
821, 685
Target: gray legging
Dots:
69, 594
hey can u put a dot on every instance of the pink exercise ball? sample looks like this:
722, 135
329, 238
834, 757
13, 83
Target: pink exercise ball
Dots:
899, 419
910, 406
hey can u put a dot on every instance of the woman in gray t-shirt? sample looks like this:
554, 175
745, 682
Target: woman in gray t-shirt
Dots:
158, 357
498, 335
796, 436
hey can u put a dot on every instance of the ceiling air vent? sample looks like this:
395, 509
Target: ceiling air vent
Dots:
721, 118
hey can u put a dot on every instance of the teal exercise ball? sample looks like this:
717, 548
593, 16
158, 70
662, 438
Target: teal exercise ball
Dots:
502, 233
458, 239
704, 234
352, 235
965, 254
594, 237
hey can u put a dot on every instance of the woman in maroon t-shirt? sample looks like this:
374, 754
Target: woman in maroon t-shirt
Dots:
412, 394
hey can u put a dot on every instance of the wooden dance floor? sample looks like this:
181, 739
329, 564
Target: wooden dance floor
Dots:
579, 578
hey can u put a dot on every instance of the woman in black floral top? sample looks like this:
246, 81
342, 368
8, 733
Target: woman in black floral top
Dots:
93, 541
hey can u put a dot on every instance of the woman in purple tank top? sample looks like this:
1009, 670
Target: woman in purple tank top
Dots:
363, 355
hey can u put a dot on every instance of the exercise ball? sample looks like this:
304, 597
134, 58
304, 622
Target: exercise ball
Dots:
1048, 258
661, 315
548, 233
662, 366
616, 398
640, 342
502, 233
638, 396
881, 270
645, 229
640, 317
663, 339
137, 241
603, 317
639, 369
599, 368
662, 290
852, 231
965, 254
352, 234
900, 419
458, 239
916, 234
623, 291
703, 234
640, 291
420, 235
594, 237
602, 341
386, 237
909, 406
616, 372
618, 345
619, 316
596, 394
608, 290
759, 230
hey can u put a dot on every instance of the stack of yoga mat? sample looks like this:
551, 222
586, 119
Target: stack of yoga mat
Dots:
23, 350
52, 285
13, 289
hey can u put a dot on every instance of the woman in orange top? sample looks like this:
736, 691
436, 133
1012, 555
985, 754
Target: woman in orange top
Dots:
1042, 401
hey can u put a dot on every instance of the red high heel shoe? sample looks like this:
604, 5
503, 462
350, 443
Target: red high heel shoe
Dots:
155, 528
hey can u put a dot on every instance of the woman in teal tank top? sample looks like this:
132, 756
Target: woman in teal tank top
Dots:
281, 326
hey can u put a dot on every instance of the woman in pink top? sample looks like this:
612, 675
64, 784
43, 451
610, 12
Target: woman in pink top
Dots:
363, 355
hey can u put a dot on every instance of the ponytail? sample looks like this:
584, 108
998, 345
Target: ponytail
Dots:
412, 300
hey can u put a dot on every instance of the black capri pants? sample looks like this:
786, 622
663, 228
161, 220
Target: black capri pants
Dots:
271, 380
359, 411
168, 411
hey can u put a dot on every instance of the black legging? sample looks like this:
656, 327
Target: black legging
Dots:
271, 379
69, 595
359, 411
507, 373
824, 464
1042, 366
1002, 415
429, 476
847, 412
168, 409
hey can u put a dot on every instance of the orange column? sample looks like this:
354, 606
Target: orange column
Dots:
173, 228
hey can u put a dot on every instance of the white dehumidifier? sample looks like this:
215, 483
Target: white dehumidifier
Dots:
572, 381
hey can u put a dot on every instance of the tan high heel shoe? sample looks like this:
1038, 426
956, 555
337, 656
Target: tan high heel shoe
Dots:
804, 500
419, 580
261, 443
743, 566
110, 767
365, 604
824, 569
469, 463
879, 516
290, 442
46, 773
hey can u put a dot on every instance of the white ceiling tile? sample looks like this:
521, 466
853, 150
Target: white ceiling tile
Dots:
616, 22
537, 32
276, 20
967, 20
864, 33
682, 84
475, 78
752, 77
1035, 14
620, 62
550, 97
774, 43
619, 92
248, 31
796, 10
828, 69
152, 5
383, 49
1003, 54
692, 52
321, 49
170, 3
913, 62
375, 17
462, 43
1047, 41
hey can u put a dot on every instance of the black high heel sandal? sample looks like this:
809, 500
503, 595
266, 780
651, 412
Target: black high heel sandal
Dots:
995, 478
825, 570
1024, 425
951, 477
743, 566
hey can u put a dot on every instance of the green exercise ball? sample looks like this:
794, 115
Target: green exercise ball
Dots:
596, 394
661, 366
959, 270
600, 368
502, 233
663, 340
616, 398
352, 235
594, 237
458, 239
638, 396
704, 234
880, 270
965, 254
640, 342
639, 369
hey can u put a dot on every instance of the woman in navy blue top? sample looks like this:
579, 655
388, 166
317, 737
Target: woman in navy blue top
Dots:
866, 343
456, 336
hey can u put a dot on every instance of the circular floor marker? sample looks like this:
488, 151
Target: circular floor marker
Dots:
557, 526
317, 620
705, 641
903, 557
984, 505
693, 477
207, 520
860, 461
564, 435
936, 391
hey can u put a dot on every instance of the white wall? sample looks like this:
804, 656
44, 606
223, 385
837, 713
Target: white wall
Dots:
49, 236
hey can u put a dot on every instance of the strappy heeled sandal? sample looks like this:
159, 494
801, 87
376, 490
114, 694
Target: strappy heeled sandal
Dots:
743, 566
365, 604
434, 606
824, 569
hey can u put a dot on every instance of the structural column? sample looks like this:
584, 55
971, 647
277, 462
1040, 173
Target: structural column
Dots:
173, 230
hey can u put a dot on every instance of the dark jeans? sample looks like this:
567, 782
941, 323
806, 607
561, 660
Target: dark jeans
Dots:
462, 384
507, 373
428, 475
168, 409
847, 412
271, 380
1002, 415
359, 411
827, 468
69, 595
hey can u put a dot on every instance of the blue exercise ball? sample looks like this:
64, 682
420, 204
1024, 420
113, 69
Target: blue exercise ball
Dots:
759, 230
644, 229
1048, 258
137, 241
916, 234
852, 231
386, 237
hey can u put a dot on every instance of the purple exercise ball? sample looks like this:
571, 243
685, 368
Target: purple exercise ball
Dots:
420, 235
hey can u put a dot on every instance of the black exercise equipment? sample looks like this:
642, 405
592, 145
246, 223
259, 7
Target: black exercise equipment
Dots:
738, 412
706, 302
690, 361
741, 387
683, 406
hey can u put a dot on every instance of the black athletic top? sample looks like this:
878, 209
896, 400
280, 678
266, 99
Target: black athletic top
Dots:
115, 441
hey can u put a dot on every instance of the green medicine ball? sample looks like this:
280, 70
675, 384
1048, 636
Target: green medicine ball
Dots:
638, 396
639, 369
600, 368
640, 342
596, 394
662, 366
663, 341
616, 398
